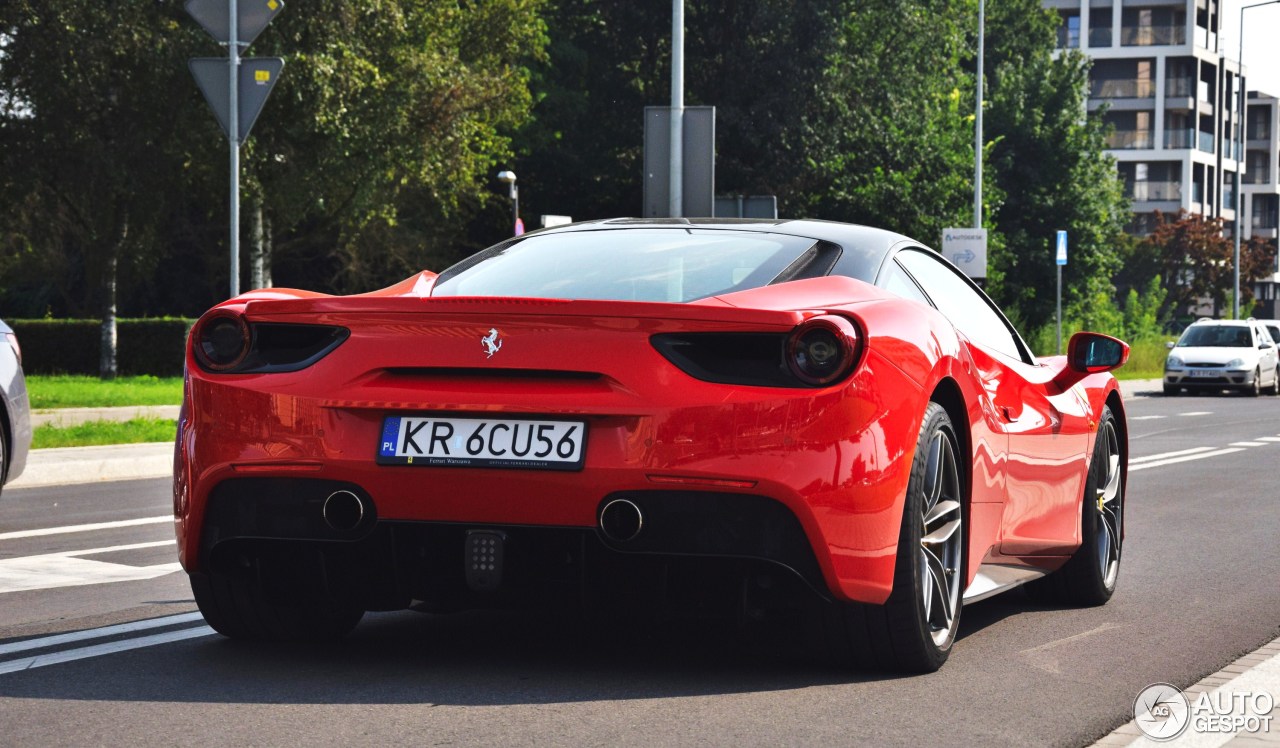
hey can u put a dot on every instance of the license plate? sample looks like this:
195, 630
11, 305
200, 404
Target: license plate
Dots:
446, 441
1205, 373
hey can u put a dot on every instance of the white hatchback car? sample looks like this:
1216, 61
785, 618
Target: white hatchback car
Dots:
1223, 354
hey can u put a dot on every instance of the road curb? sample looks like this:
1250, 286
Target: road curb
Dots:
1259, 668
73, 416
55, 467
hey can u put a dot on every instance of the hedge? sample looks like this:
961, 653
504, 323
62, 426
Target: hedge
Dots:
73, 346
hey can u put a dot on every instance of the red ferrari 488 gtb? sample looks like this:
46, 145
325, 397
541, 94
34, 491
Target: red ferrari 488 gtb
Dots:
634, 413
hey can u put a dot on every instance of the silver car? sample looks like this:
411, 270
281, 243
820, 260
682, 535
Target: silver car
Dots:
1223, 354
15, 434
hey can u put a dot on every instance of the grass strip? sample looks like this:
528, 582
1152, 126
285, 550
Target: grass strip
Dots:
70, 391
97, 433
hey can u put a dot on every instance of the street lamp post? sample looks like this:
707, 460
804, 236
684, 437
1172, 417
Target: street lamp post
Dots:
977, 122
513, 192
1241, 111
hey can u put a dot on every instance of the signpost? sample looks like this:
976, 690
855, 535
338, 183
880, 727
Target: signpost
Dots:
1061, 255
235, 88
967, 250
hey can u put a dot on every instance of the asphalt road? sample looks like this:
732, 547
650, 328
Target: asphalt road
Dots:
1198, 588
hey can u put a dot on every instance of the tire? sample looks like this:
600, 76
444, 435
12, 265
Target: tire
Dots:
1089, 577
1256, 388
1275, 383
236, 608
1171, 390
4, 455
915, 628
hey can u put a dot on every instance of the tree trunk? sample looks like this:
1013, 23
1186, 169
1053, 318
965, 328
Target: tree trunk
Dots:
266, 252
257, 251
107, 361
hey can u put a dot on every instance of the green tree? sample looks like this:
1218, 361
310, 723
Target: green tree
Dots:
1198, 263
381, 142
94, 110
844, 110
1049, 163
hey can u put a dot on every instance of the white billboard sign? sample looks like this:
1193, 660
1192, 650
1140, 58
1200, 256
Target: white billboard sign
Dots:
967, 250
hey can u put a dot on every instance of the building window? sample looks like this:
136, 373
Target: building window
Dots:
1069, 31
1100, 27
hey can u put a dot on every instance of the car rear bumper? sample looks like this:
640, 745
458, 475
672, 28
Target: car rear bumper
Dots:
830, 466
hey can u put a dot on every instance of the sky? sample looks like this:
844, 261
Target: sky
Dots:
1261, 50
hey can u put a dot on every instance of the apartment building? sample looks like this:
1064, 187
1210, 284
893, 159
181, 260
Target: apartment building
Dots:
1261, 189
1162, 80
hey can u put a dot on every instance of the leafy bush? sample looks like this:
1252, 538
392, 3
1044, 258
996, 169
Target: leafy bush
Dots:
73, 346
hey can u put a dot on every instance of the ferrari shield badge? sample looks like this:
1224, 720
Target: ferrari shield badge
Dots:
492, 342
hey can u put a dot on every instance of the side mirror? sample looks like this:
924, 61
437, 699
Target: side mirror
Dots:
1263, 346
1091, 353
1170, 345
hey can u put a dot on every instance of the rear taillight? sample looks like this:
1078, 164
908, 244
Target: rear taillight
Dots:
224, 343
823, 350
817, 353
13, 343
221, 341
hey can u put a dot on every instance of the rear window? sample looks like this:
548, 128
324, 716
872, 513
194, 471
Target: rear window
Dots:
668, 265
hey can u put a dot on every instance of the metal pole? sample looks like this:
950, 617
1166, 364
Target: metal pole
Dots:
977, 138
515, 208
1059, 309
233, 128
1240, 162
676, 193
1235, 225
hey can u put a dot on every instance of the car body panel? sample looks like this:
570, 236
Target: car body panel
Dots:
837, 457
17, 408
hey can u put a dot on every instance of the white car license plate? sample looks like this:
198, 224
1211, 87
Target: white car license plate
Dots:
448, 441
1205, 373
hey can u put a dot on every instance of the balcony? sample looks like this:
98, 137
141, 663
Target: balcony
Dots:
1267, 220
1152, 36
1180, 87
1155, 191
1123, 88
1129, 139
1205, 141
1100, 37
1229, 196
1255, 175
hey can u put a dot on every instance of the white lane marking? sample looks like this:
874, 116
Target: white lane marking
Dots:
1145, 418
28, 663
84, 528
1269, 438
1248, 444
64, 569
99, 633
1197, 413
1188, 458
1164, 455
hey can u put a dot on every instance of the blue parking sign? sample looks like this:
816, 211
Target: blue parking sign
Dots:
1062, 248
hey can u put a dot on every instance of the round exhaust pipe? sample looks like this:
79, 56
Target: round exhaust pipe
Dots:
621, 520
342, 511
